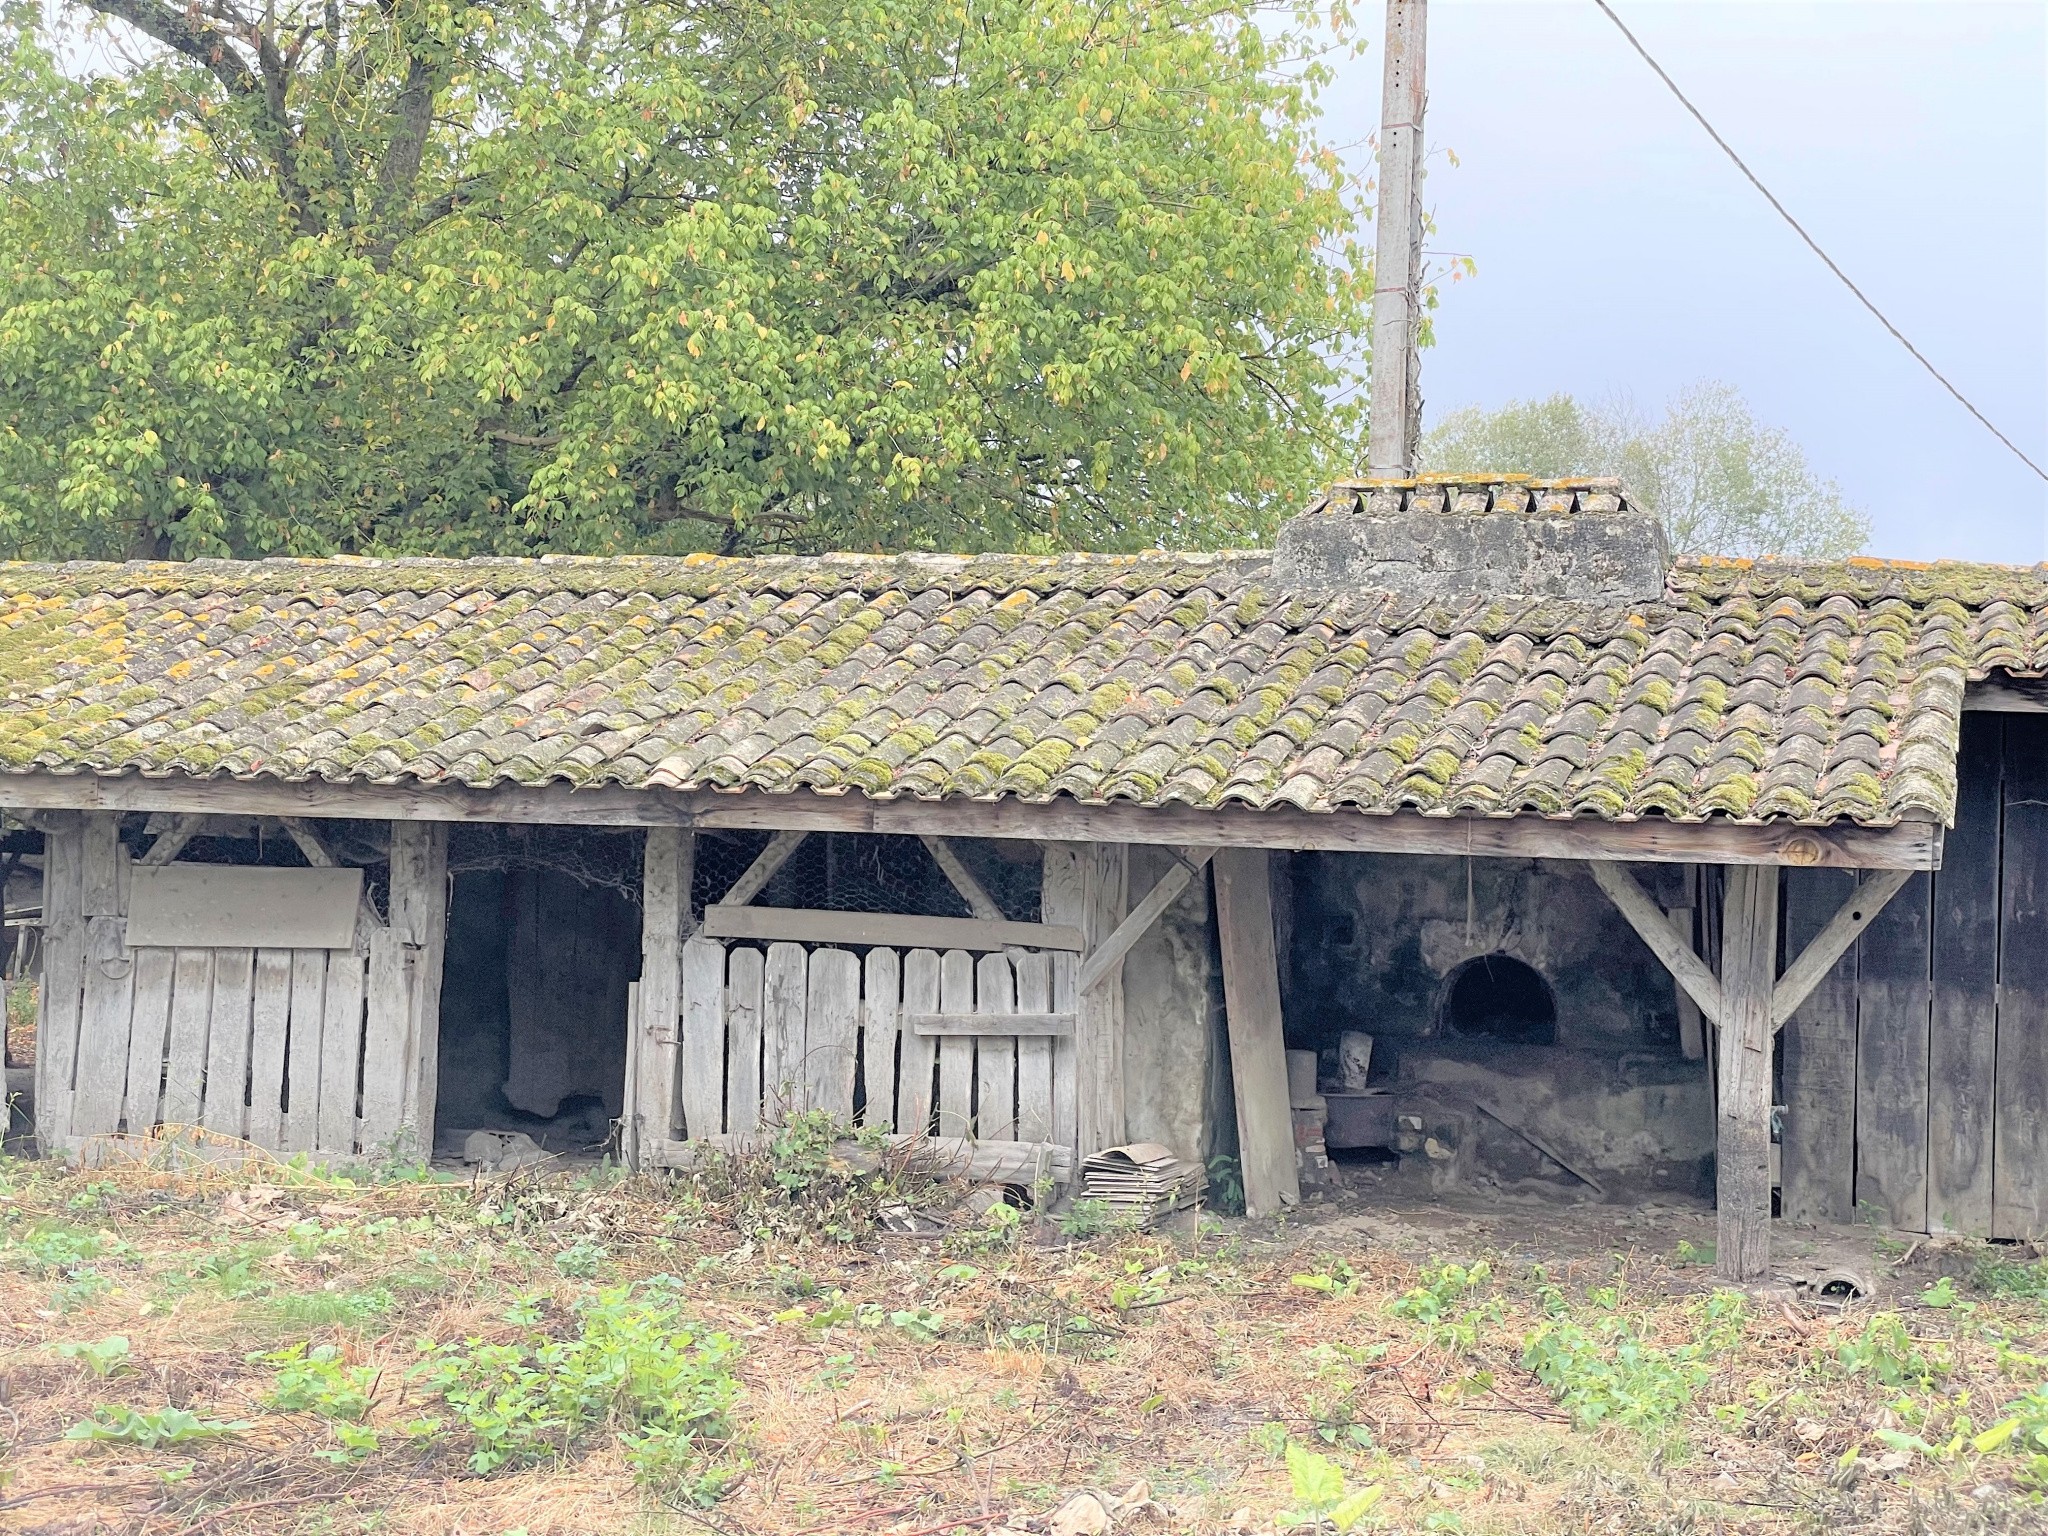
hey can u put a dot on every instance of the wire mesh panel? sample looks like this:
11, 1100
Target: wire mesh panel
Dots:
869, 872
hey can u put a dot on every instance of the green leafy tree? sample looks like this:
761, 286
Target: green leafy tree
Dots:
1723, 482
418, 276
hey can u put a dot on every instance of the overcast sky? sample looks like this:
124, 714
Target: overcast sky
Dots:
1619, 251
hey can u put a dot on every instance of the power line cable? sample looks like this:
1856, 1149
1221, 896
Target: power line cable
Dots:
1814, 245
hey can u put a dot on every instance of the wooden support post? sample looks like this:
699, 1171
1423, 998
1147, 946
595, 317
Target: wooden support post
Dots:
1692, 1024
1396, 425
665, 909
1258, 1060
61, 997
419, 918
1749, 949
1085, 886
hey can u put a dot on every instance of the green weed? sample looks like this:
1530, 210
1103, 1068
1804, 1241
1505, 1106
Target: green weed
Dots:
1891, 1356
1447, 1304
316, 1379
169, 1426
1322, 1502
104, 1358
1610, 1375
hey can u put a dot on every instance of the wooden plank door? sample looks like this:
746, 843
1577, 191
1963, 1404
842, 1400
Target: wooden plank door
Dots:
1894, 1000
1962, 1042
2019, 1176
1817, 1171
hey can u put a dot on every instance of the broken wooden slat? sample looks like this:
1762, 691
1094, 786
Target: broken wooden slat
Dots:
917, 1054
1258, 1064
1039, 1024
804, 926
191, 1016
1651, 925
956, 1052
269, 1030
782, 1032
1035, 1048
880, 1027
700, 1063
227, 1043
971, 890
302, 1049
744, 967
832, 1030
1749, 954
754, 879
341, 1053
1109, 954
61, 999
148, 1041
995, 1055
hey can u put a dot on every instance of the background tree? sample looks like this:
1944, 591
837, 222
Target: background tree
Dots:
1722, 481
592, 275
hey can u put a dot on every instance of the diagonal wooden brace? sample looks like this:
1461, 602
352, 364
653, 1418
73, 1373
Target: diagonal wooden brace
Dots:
1655, 930
1188, 863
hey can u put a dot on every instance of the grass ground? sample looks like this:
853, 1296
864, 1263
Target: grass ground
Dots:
748, 1351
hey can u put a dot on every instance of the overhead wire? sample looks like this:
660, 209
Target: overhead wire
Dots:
1813, 244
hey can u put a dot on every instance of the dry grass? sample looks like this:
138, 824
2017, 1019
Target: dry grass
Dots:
967, 1382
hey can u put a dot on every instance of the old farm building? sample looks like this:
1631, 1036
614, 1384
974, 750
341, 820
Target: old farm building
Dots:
1618, 863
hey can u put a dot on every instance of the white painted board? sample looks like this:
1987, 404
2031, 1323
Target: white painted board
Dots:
232, 906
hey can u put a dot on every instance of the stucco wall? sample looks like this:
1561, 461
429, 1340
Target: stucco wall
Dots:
1173, 1020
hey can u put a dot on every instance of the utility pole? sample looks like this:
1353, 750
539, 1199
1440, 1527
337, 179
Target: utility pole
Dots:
1396, 425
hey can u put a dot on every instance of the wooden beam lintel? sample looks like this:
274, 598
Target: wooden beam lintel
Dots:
1910, 845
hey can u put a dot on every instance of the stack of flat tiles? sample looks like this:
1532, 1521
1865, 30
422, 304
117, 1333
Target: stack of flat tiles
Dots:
1143, 1179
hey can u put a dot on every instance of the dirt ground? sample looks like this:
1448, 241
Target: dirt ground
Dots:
282, 1333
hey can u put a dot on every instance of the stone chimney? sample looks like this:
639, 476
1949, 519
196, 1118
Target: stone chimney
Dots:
1460, 536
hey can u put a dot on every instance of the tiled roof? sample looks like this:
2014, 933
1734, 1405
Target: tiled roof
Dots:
1810, 692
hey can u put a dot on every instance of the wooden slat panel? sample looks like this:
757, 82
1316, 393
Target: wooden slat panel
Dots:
2019, 1175
269, 1030
302, 1049
832, 1030
995, 1056
227, 1043
103, 1029
1962, 1043
1063, 894
880, 1024
801, 925
1818, 1163
1893, 998
61, 1001
148, 1040
917, 1053
388, 1059
744, 970
341, 1052
956, 1053
1258, 1063
1034, 1051
700, 1067
1024, 1026
782, 1032
191, 1017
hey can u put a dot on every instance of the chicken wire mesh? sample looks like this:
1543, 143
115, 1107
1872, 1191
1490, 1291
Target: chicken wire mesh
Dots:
870, 872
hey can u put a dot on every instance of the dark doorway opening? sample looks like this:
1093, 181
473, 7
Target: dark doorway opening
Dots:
1500, 998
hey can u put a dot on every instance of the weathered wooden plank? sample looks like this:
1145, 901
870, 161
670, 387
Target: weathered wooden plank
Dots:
341, 1052
1894, 994
1034, 1049
956, 1052
803, 926
1109, 954
832, 1030
148, 1040
744, 974
227, 1043
103, 1029
755, 877
101, 877
191, 1017
1258, 1063
269, 1031
1911, 845
995, 1056
917, 1054
700, 1066
1818, 1157
61, 999
2019, 1178
784, 985
171, 842
1063, 896
881, 1023
664, 907
1039, 1023
961, 878
1856, 913
1749, 965
1654, 929
419, 914
302, 1049
307, 836
1962, 1040
1692, 1024
1099, 1011
212, 906
387, 1045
